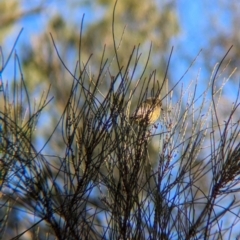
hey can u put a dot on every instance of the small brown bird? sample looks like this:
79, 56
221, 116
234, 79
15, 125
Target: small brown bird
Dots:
149, 111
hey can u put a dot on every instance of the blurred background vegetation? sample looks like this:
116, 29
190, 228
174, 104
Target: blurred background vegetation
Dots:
189, 27
145, 25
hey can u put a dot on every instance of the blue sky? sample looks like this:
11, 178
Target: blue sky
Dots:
194, 17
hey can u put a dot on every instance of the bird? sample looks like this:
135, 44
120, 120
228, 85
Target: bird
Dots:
149, 111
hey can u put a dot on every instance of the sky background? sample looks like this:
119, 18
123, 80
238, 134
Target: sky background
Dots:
194, 17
